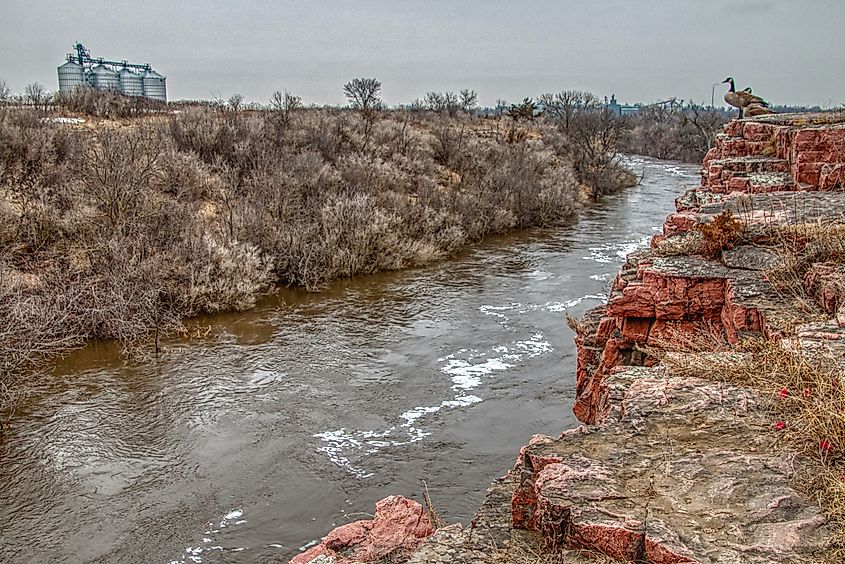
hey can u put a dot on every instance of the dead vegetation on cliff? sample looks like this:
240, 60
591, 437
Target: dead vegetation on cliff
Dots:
709, 239
806, 247
806, 393
530, 549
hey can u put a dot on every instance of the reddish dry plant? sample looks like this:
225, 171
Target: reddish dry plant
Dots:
723, 232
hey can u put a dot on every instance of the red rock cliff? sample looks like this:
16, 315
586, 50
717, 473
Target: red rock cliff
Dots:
779, 163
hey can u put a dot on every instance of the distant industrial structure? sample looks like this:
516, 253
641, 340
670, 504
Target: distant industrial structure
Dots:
83, 71
620, 109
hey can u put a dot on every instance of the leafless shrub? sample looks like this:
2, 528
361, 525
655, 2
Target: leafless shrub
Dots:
284, 104
117, 168
682, 133
224, 276
468, 99
106, 103
120, 232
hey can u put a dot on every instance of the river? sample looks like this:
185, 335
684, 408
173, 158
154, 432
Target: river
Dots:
262, 430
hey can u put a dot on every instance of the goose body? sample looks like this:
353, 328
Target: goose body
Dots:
752, 110
744, 99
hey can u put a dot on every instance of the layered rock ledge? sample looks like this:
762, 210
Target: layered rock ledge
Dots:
667, 468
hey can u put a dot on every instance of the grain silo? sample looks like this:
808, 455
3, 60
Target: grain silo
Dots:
105, 78
131, 82
82, 70
71, 77
154, 85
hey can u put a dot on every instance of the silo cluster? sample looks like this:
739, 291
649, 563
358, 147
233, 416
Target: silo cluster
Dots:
83, 71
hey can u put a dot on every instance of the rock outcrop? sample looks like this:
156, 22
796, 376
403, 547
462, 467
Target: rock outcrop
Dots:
681, 471
668, 468
398, 527
771, 170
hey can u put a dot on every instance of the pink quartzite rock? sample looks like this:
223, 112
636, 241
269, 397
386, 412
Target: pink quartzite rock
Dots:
678, 470
396, 530
681, 472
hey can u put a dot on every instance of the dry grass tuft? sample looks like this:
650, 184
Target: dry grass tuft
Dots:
575, 324
530, 549
805, 244
436, 520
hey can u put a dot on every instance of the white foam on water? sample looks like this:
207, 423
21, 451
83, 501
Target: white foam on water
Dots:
604, 254
671, 169
631, 246
558, 307
234, 514
596, 255
307, 545
265, 377
496, 311
194, 553
540, 275
466, 369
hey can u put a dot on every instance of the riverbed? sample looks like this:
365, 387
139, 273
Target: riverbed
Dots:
250, 438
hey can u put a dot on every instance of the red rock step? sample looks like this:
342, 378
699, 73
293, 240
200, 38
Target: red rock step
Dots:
720, 172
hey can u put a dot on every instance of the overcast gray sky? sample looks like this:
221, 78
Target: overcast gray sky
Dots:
790, 51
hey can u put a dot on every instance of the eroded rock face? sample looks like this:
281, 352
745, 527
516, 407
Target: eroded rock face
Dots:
772, 170
398, 527
682, 471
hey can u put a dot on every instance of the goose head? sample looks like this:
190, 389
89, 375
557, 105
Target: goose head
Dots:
730, 81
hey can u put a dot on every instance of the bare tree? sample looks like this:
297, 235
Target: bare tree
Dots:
443, 102
235, 101
706, 123
364, 94
501, 106
527, 110
5, 91
283, 105
452, 104
595, 137
418, 105
435, 101
469, 99
563, 106
117, 168
37, 96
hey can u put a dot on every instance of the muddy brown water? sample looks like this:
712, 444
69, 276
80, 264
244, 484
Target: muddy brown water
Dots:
250, 442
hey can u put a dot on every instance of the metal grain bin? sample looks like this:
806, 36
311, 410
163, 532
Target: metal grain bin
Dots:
154, 85
71, 77
131, 83
105, 78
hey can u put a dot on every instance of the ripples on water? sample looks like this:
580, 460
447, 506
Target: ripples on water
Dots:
285, 420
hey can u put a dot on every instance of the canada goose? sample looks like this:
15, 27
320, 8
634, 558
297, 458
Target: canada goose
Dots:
742, 98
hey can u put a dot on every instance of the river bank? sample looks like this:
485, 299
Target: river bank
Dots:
120, 229
248, 417
710, 384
